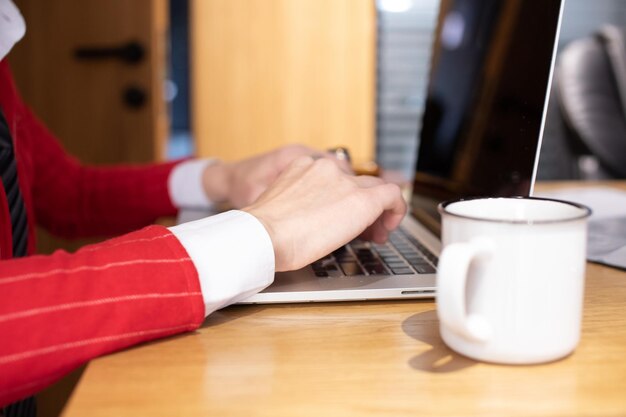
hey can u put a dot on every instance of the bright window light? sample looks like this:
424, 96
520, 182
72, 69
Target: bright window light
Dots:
395, 6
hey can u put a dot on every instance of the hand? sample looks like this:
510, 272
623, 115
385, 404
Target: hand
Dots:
240, 183
314, 208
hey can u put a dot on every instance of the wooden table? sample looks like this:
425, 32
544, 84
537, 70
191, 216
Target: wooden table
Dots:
349, 359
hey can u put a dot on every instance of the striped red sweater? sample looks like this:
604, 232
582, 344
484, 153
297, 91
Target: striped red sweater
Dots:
59, 311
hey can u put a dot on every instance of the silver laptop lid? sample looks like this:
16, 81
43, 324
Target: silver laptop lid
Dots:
488, 90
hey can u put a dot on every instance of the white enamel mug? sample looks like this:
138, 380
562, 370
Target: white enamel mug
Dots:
510, 279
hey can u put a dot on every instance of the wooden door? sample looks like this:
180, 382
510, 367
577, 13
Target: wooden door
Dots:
83, 100
104, 110
271, 72
95, 106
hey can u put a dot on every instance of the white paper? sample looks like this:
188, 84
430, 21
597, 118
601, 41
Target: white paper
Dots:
607, 227
605, 202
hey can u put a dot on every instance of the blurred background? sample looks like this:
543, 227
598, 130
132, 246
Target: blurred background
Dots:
150, 80
405, 29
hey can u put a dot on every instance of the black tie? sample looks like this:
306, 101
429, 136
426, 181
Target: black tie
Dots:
8, 170
19, 228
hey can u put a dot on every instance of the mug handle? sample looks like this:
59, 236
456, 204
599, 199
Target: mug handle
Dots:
452, 272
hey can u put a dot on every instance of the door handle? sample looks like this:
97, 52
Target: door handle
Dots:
130, 53
134, 97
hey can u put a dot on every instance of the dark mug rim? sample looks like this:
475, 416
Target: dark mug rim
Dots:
587, 211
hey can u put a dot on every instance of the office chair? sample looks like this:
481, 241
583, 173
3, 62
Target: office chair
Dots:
591, 94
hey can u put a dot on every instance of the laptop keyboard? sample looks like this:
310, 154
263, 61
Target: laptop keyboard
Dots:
401, 255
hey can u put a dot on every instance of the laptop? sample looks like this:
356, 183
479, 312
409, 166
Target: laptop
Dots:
481, 133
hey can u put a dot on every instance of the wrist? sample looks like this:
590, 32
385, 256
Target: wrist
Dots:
283, 259
216, 180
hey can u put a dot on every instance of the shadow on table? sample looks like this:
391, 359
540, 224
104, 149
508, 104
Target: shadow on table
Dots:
229, 314
424, 327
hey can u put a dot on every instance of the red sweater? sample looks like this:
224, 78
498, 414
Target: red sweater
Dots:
59, 311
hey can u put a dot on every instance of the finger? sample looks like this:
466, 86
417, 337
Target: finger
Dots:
367, 181
343, 164
393, 205
392, 210
298, 166
286, 155
377, 231
295, 151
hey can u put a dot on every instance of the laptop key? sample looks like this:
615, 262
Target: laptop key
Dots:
384, 249
396, 264
351, 268
365, 258
342, 251
334, 272
419, 262
425, 269
376, 269
317, 266
402, 271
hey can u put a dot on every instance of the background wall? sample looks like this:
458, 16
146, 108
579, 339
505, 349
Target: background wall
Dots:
271, 72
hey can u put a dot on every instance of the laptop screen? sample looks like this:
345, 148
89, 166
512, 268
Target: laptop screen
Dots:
483, 120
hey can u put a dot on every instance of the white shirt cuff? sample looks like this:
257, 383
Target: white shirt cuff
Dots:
185, 185
232, 253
